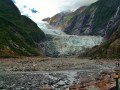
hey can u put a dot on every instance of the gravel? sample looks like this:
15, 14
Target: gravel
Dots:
60, 73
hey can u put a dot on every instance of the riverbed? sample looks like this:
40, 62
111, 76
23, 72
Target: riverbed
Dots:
31, 73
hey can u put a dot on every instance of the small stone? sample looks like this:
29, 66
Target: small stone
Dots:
29, 83
1, 87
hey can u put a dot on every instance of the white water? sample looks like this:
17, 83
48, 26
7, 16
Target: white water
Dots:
60, 44
117, 12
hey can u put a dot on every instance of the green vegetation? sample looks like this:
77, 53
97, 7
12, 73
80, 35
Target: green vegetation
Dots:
18, 34
105, 10
110, 48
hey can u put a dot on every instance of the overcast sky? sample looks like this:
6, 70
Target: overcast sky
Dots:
39, 9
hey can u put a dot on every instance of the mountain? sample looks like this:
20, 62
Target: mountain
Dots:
61, 20
19, 35
88, 20
57, 20
111, 46
100, 18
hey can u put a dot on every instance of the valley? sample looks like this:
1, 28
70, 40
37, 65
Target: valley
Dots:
76, 47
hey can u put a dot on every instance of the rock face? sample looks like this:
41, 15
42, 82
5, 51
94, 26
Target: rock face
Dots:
18, 34
57, 43
90, 20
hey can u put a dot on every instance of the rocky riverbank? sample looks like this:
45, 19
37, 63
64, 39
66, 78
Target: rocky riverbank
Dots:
60, 73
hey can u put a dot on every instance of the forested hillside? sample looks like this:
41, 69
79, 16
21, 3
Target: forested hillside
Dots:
18, 34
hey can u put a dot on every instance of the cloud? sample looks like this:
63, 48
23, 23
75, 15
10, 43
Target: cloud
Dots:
73, 5
48, 8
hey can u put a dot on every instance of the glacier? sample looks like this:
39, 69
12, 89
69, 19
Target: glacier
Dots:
59, 44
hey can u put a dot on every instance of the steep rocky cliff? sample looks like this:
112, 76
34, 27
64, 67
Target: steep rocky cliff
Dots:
18, 34
90, 20
111, 47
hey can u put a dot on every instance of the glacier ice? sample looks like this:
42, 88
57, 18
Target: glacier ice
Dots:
59, 44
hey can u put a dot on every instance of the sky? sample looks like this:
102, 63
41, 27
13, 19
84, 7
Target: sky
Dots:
40, 9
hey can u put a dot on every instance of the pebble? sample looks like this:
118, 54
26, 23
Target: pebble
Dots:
30, 80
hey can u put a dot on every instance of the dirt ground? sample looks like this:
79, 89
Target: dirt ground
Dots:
30, 73
52, 64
